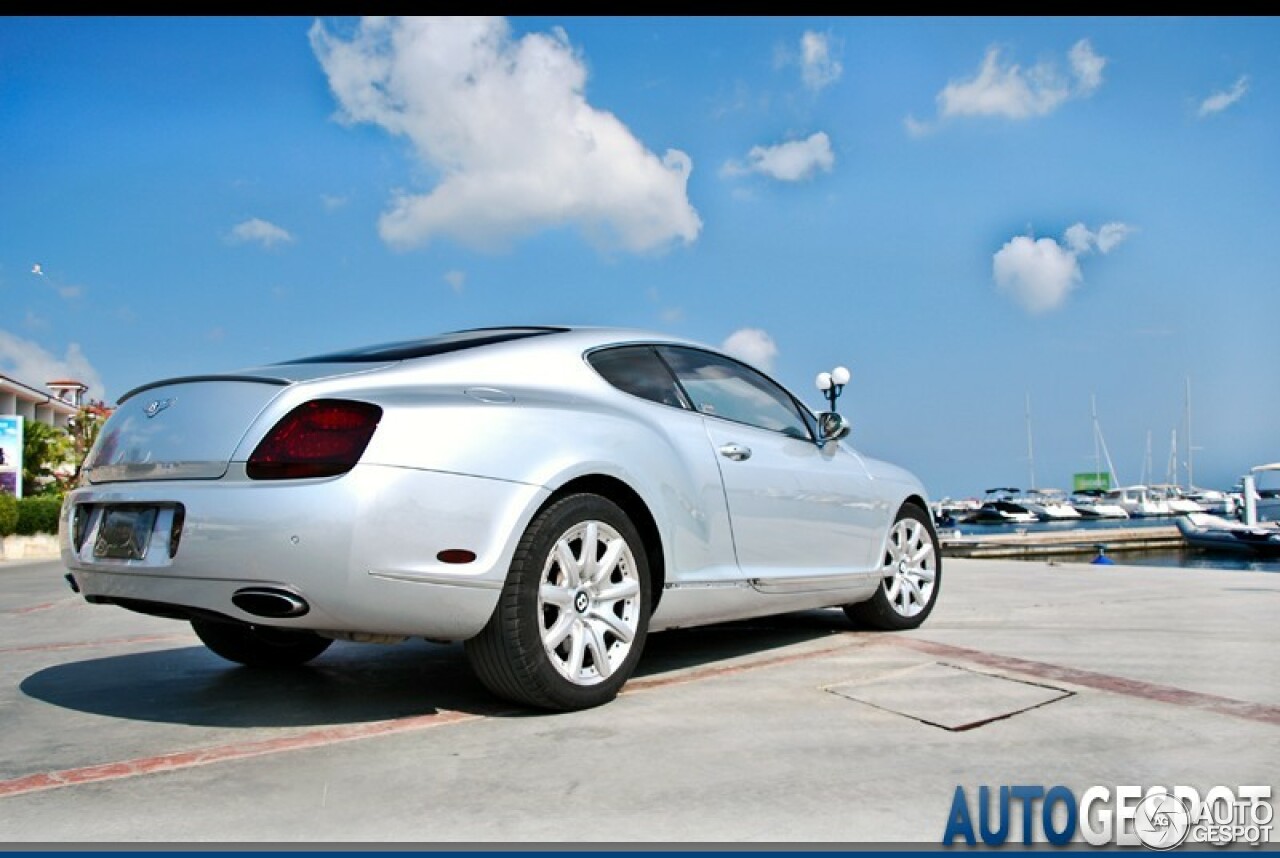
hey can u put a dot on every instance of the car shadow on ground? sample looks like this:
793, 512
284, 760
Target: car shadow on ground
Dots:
682, 649
359, 683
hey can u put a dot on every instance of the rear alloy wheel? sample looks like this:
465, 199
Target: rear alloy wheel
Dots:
911, 575
574, 612
260, 646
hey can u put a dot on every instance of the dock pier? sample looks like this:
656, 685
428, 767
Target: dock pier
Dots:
1034, 544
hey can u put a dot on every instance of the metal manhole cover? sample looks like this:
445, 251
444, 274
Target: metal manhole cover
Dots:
953, 698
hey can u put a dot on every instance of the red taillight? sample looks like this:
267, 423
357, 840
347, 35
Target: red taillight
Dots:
323, 438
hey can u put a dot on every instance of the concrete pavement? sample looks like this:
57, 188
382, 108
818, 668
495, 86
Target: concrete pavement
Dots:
115, 727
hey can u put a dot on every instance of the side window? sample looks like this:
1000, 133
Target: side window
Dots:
639, 371
725, 388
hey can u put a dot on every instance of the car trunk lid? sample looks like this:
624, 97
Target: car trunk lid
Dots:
188, 428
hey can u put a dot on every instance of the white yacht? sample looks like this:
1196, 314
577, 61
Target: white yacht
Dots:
1092, 503
948, 512
1179, 503
1049, 505
1215, 502
1003, 506
1138, 501
1266, 491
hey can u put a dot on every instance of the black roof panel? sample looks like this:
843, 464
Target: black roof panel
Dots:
428, 346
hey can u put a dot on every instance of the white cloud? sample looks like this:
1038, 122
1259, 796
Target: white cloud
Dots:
792, 161
1087, 67
916, 127
752, 345
259, 231
1014, 92
1078, 238
1081, 240
737, 101
457, 280
1040, 273
333, 202
1220, 101
65, 291
1004, 91
818, 68
505, 125
669, 314
1110, 235
25, 361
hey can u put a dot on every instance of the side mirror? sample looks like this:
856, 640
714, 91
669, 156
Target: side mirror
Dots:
832, 426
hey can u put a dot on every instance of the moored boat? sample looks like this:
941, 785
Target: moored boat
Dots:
1049, 505
1178, 501
1266, 493
1138, 501
1090, 503
1212, 532
1002, 507
1215, 502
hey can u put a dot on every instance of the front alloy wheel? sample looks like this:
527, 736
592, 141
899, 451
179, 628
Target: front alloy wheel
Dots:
910, 575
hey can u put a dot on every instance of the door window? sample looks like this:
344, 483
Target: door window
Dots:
721, 387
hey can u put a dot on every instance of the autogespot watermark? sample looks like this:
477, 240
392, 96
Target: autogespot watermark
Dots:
1156, 817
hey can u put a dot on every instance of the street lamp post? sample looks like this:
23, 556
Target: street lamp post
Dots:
832, 384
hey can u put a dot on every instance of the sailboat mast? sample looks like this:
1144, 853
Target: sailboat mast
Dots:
1098, 439
1097, 454
1031, 455
1191, 483
1148, 472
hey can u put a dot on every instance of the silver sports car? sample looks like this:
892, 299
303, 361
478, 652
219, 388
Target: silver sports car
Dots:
547, 495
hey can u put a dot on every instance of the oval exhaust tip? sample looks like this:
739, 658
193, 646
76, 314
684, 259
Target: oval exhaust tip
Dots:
270, 602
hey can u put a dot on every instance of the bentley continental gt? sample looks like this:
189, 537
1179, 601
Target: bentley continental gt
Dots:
547, 495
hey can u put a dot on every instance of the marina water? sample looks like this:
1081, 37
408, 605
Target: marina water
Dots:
1190, 558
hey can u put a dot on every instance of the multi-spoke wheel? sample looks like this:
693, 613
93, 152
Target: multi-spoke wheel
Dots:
589, 600
574, 612
911, 574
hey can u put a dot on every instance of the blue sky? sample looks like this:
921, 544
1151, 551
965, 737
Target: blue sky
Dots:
966, 212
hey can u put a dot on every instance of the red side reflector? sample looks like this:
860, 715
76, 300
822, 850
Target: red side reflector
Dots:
456, 555
321, 438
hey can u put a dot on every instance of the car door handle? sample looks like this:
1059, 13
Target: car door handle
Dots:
737, 452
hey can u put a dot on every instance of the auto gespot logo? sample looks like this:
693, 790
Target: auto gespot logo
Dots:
1157, 817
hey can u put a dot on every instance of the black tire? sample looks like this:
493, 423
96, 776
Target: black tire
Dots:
509, 656
260, 646
895, 607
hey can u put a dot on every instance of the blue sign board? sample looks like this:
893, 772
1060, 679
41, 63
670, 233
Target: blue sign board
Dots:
11, 456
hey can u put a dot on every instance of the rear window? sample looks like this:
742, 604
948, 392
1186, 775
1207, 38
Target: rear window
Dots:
437, 345
639, 371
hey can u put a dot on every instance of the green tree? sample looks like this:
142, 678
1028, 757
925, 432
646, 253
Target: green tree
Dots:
8, 514
48, 456
84, 429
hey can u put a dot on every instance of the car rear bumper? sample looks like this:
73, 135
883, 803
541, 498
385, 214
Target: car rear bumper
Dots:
362, 551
